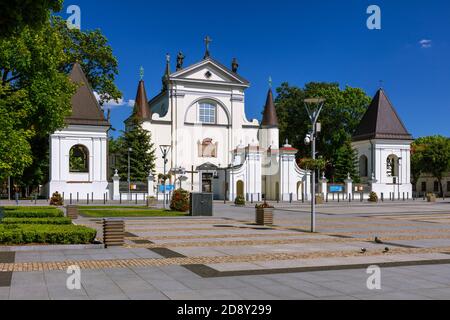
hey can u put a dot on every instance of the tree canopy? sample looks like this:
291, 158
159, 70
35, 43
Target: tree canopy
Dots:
142, 155
340, 117
17, 14
35, 91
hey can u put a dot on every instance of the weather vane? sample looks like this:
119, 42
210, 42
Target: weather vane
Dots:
270, 82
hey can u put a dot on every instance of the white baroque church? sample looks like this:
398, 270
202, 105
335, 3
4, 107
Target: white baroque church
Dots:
199, 115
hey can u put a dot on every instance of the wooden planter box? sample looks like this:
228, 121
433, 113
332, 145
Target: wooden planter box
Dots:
113, 232
319, 199
152, 201
72, 212
264, 216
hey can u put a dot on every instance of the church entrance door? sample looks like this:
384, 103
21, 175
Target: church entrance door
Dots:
240, 188
207, 182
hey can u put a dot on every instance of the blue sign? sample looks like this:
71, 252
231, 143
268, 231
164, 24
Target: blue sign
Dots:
336, 189
169, 188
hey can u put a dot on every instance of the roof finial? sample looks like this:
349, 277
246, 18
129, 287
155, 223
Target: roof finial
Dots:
208, 40
141, 73
270, 82
381, 84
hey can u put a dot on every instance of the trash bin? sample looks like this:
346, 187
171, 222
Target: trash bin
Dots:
201, 205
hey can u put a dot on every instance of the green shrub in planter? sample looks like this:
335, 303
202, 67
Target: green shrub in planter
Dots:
46, 234
373, 197
180, 201
239, 201
57, 221
57, 199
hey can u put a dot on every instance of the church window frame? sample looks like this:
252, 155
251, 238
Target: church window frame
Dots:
207, 112
364, 166
392, 165
79, 159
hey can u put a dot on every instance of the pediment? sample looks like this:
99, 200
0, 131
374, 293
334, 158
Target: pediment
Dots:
209, 71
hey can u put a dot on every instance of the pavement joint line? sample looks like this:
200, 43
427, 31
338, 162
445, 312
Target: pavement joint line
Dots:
222, 243
181, 261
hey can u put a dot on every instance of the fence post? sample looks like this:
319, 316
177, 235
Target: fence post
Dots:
70, 198
136, 198
251, 197
290, 198
382, 197
349, 197
303, 197
361, 195
78, 197
339, 197
87, 198
121, 198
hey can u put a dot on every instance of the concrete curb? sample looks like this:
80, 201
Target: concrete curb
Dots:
50, 248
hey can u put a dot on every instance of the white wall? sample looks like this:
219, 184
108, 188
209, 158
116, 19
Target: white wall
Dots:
95, 139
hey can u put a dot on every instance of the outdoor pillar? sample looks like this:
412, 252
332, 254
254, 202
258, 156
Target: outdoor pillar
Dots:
324, 186
116, 186
348, 185
150, 185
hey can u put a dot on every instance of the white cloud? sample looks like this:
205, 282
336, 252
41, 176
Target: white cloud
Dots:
111, 104
425, 43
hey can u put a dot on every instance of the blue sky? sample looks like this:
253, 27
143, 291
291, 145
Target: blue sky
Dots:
291, 41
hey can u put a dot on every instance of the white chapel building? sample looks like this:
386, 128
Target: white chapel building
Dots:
78, 153
384, 149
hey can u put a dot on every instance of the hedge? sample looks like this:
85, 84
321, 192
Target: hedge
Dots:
36, 213
46, 234
58, 221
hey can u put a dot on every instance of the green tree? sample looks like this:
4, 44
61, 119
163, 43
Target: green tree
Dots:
17, 14
340, 117
35, 91
142, 156
432, 155
346, 163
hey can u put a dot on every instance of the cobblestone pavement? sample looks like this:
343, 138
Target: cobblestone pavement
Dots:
228, 257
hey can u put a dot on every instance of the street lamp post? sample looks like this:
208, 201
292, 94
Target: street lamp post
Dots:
129, 174
165, 149
314, 108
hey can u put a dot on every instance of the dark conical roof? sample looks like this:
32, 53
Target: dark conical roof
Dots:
141, 107
381, 121
270, 118
85, 107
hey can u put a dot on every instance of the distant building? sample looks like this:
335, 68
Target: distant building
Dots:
428, 184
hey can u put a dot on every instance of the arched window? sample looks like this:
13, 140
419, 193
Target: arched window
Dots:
79, 159
392, 166
207, 113
363, 166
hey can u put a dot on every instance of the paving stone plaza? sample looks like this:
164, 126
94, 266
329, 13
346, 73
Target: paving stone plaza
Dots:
228, 257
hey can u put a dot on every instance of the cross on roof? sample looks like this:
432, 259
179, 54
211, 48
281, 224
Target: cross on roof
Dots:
208, 40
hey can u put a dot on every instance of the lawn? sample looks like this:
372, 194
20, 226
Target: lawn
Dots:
125, 212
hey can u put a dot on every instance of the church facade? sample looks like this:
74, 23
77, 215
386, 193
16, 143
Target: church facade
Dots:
200, 114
